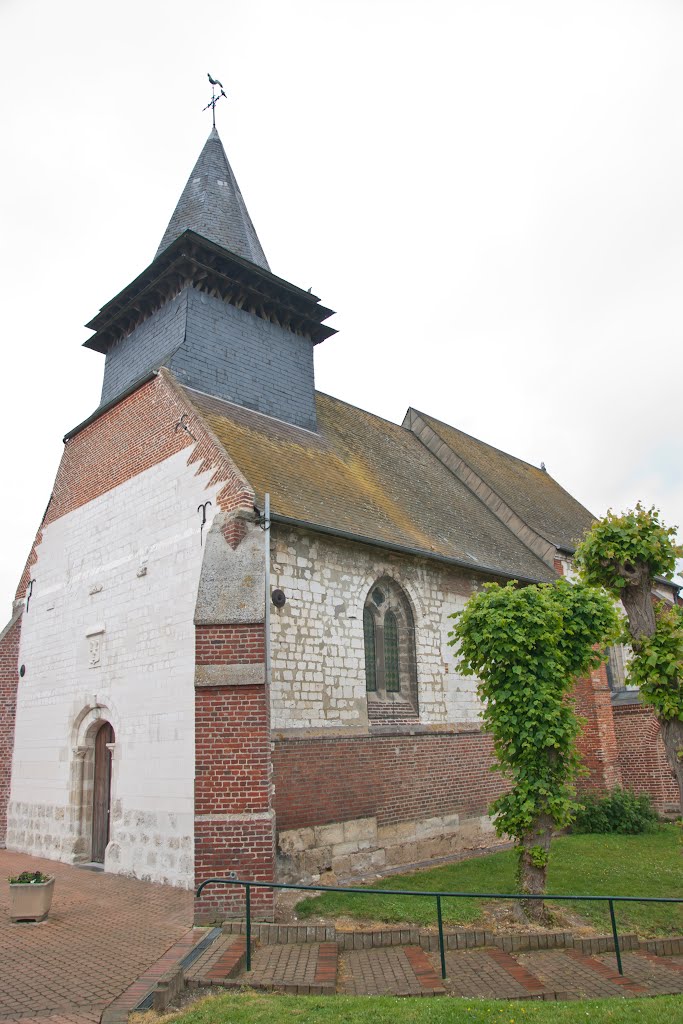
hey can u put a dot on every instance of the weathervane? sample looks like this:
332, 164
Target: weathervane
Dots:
214, 98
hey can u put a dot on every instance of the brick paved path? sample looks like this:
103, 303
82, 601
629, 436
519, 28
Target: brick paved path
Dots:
103, 932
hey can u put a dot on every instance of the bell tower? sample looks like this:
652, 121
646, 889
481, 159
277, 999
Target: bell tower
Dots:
209, 308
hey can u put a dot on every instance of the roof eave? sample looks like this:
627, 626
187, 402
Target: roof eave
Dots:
191, 257
485, 570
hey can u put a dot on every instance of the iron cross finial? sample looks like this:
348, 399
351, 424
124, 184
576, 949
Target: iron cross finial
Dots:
214, 98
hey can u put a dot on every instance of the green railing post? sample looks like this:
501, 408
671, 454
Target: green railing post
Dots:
441, 949
616, 937
247, 894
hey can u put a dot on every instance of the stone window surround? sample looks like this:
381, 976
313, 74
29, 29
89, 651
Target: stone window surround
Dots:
396, 601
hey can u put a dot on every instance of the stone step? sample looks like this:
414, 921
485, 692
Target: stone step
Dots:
321, 968
395, 971
301, 969
220, 962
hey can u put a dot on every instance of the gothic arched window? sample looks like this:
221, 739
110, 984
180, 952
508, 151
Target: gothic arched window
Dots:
389, 634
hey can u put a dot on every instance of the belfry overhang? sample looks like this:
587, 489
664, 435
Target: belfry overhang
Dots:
191, 260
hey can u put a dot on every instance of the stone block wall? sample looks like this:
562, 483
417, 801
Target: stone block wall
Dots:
318, 670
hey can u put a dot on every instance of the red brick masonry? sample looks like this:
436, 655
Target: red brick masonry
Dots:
396, 778
238, 644
233, 821
9, 678
598, 742
642, 759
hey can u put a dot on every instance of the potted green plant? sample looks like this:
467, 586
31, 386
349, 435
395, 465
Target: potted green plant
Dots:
30, 895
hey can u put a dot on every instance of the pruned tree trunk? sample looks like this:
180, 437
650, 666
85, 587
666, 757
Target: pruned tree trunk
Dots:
534, 853
636, 598
672, 734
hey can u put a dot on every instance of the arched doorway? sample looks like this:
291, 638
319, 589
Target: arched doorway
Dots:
101, 792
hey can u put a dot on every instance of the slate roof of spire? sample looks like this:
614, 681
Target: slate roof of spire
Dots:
212, 205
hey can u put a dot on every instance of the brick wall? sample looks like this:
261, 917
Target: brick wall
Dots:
597, 742
233, 818
642, 759
9, 678
237, 644
132, 437
393, 778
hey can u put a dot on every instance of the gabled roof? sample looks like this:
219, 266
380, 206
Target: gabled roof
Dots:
212, 206
370, 479
531, 493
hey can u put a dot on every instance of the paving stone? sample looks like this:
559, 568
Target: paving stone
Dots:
391, 970
302, 968
103, 933
571, 971
481, 973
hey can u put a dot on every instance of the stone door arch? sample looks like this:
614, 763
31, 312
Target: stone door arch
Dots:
93, 781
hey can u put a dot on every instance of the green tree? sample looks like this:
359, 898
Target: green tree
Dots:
527, 646
624, 554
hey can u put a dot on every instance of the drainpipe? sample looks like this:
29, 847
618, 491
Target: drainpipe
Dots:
266, 617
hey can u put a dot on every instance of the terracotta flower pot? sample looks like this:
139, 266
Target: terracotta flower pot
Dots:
30, 901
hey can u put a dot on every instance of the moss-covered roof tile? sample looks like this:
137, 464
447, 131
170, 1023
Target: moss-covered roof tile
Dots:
365, 476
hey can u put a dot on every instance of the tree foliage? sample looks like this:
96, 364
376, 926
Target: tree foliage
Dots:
527, 646
624, 554
657, 666
617, 544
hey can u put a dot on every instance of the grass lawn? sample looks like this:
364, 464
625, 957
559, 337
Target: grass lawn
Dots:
645, 865
262, 1008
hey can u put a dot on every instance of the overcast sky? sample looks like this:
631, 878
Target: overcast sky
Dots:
489, 193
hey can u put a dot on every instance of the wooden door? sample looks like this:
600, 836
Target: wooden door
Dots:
101, 793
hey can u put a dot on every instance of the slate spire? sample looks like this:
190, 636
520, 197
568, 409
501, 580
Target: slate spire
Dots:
212, 205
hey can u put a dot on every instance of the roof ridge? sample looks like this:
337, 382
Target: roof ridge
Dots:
478, 440
538, 530
359, 408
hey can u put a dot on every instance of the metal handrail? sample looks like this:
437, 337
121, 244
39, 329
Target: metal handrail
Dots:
248, 886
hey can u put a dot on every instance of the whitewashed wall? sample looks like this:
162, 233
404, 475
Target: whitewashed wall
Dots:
116, 583
318, 662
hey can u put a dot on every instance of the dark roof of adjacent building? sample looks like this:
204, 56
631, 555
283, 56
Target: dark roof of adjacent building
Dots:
368, 478
531, 492
212, 206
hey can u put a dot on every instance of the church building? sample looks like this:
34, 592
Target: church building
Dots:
228, 650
